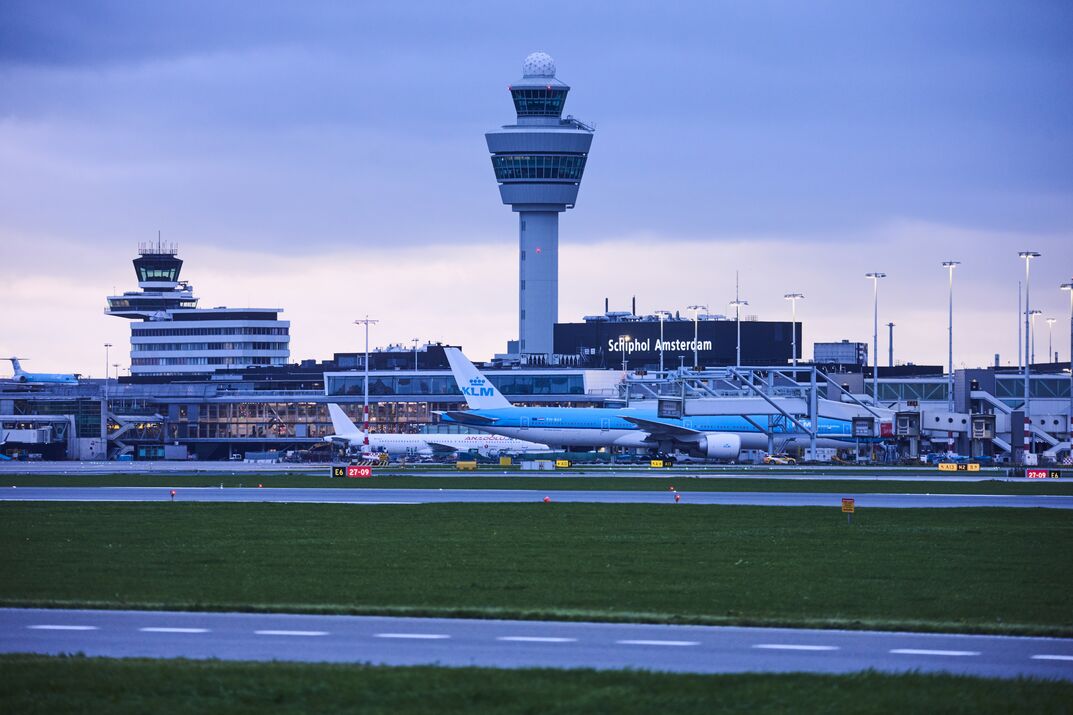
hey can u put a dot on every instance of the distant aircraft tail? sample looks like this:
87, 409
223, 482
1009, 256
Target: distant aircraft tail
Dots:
15, 364
480, 393
340, 422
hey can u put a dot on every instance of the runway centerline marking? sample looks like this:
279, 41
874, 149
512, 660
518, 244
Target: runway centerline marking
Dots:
291, 633
650, 642
1046, 656
161, 629
923, 651
789, 646
415, 636
63, 628
536, 639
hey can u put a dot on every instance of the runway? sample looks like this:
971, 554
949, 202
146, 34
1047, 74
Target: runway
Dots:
504, 496
516, 644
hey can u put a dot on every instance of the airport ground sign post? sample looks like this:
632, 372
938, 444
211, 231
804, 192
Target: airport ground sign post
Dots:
847, 509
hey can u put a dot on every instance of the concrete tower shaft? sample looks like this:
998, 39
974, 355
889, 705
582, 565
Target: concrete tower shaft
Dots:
539, 162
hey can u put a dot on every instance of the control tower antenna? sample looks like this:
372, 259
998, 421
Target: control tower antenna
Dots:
538, 163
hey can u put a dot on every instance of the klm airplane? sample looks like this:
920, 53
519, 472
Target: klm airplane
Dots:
36, 378
706, 436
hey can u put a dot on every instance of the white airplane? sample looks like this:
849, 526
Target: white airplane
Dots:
423, 444
21, 376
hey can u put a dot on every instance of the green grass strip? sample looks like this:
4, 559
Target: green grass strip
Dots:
682, 482
38, 684
979, 570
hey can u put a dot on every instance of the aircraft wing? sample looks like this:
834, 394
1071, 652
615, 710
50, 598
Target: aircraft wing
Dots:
440, 446
664, 430
468, 418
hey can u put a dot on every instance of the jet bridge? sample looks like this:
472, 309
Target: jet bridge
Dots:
787, 398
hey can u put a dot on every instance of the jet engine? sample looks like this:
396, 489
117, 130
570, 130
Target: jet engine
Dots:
717, 445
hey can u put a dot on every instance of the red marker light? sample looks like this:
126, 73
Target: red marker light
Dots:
538, 250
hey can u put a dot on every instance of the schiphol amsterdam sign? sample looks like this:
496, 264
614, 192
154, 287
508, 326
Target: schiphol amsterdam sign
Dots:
649, 344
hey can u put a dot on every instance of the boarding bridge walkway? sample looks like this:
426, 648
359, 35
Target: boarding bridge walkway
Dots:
1007, 410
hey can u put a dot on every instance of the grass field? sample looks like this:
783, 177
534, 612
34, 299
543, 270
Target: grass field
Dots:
38, 684
984, 570
491, 481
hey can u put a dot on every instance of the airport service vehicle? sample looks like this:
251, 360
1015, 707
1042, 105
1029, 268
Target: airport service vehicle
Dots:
716, 437
779, 459
397, 445
39, 378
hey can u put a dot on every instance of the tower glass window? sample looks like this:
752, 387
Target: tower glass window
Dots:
527, 167
542, 102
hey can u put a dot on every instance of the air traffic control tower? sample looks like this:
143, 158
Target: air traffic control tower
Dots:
538, 163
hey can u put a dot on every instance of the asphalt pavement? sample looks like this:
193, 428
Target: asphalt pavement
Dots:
497, 496
516, 644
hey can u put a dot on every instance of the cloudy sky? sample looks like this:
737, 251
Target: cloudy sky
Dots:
329, 159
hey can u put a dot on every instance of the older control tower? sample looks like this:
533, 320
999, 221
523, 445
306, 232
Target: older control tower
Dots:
538, 163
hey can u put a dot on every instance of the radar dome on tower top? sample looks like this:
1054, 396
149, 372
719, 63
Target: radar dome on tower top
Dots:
538, 64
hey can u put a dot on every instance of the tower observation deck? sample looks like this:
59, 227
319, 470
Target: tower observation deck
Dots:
538, 163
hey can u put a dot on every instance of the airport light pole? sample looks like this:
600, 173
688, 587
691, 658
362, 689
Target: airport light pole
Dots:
950, 266
737, 304
696, 314
1031, 323
1028, 256
106, 347
1050, 339
1069, 288
793, 298
662, 314
623, 339
415, 341
875, 276
366, 321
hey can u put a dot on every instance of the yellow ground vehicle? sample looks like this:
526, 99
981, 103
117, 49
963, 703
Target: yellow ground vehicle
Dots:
779, 459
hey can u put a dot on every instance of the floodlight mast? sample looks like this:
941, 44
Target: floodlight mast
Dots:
793, 298
696, 309
875, 276
1069, 288
366, 321
950, 266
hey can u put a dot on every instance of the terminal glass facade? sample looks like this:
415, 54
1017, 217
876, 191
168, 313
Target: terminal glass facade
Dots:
510, 384
904, 391
1012, 387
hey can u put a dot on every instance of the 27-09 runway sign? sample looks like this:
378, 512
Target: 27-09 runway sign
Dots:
352, 471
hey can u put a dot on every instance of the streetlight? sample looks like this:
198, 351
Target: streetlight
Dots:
623, 339
1028, 256
793, 298
695, 308
662, 314
1050, 339
875, 276
950, 266
415, 341
1032, 324
1069, 287
365, 411
737, 304
106, 346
